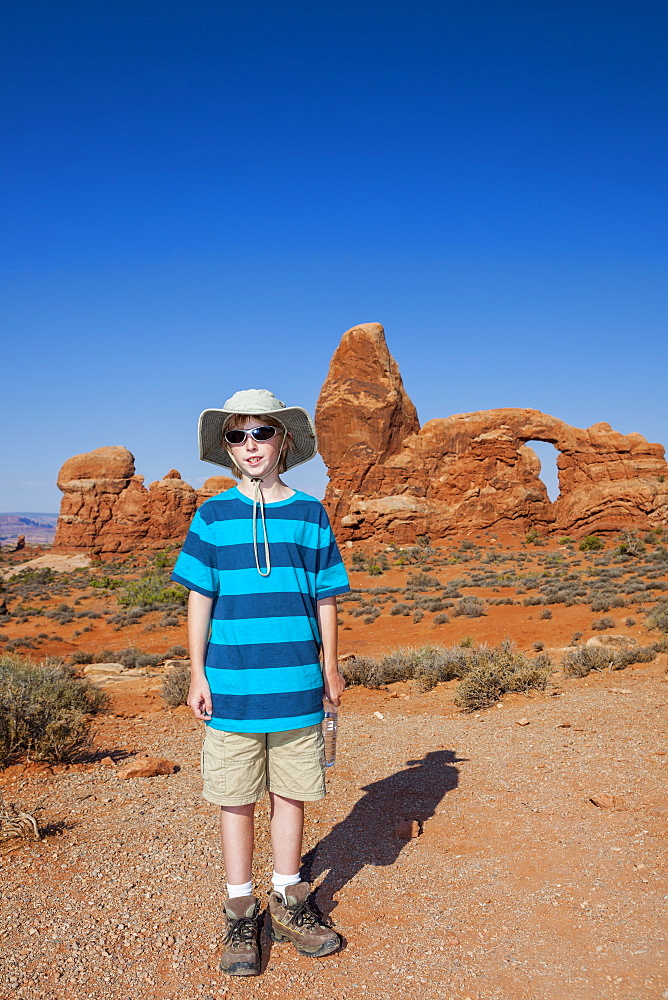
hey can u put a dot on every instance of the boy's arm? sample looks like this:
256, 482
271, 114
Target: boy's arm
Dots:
328, 623
199, 620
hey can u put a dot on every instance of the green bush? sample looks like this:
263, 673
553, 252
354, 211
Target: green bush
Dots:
106, 583
44, 711
152, 591
175, 684
591, 543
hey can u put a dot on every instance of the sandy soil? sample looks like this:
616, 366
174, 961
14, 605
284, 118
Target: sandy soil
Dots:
519, 887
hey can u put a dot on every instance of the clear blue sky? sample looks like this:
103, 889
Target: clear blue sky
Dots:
203, 196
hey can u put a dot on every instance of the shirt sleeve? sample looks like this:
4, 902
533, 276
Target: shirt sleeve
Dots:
331, 577
197, 565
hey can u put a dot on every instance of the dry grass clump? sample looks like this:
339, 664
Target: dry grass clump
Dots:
16, 825
44, 711
658, 616
583, 660
485, 672
495, 671
176, 683
131, 657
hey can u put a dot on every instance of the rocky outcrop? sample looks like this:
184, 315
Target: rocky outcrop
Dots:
392, 480
106, 510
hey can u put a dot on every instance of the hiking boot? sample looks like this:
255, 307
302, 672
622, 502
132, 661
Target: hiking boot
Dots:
295, 921
241, 945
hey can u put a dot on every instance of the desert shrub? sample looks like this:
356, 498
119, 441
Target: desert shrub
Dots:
175, 684
164, 559
658, 616
601, 624
41, 575
532, 536
418, 615
400, 608
176, 651
441, 619
493, 671
630, 545
591, 543
546, 614
532, 602
470, 606
565, 540
422, 581
629, 622
130, 657
538, 647
152, 591
106, 583
81, 657
585, 659
44, 711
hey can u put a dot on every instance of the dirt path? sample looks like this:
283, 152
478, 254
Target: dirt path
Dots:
518, 888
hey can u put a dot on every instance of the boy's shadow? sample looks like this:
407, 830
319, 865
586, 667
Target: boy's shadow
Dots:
366, 836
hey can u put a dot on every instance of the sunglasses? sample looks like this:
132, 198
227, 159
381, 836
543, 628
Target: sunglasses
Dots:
238, 436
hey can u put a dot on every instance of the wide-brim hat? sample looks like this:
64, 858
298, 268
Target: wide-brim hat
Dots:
257, 403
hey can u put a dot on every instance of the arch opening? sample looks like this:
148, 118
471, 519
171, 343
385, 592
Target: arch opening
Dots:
549, 474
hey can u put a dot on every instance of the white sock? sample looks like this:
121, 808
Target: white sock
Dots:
281, 882
233, 891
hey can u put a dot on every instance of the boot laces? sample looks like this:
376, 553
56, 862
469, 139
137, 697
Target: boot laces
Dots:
302, 915
240, 931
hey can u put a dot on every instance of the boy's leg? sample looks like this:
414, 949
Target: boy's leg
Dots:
236, 840
287, 831
296, 766
241, 953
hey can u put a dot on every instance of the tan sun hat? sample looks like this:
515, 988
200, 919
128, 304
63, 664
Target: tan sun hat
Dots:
257, 403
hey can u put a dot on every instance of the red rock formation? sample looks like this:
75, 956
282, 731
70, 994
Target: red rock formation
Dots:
393, 481
363, 381
106, 509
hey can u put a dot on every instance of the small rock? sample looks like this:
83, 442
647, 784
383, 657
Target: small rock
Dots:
603, 800
564, 725
619, 691
522, 722
378, 715
107, 760
147, 767
408, 829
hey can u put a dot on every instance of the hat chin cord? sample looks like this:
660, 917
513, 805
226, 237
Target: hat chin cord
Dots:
258, 498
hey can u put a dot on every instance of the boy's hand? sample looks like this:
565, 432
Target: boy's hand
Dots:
199, 699
334, 687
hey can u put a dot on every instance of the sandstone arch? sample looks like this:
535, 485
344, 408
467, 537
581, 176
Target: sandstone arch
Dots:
394, 480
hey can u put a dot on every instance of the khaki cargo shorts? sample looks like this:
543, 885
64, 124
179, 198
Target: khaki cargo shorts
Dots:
237, 768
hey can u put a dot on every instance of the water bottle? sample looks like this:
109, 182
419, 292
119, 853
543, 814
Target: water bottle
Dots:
329, 728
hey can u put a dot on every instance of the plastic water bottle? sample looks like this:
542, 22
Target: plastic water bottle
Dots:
329, 727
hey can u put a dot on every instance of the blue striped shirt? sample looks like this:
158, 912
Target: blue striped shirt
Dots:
263, 655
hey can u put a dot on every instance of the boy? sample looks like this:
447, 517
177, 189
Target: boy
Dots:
263, 570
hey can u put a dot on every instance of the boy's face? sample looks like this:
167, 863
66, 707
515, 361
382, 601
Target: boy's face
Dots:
256, 458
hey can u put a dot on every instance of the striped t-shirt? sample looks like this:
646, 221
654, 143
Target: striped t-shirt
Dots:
263, 656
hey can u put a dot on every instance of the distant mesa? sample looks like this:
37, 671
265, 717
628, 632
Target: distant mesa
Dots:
392, 480
106, 510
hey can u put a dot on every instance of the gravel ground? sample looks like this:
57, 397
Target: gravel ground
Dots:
518, 887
